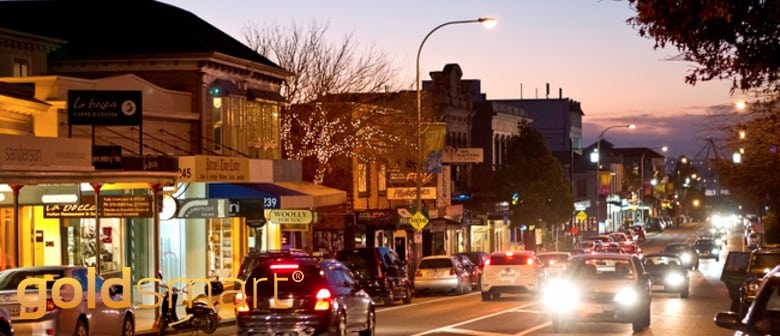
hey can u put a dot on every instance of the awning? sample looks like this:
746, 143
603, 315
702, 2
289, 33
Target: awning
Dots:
280, 195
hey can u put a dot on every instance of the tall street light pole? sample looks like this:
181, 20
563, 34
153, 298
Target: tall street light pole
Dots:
642, 179
418, 171
598, 168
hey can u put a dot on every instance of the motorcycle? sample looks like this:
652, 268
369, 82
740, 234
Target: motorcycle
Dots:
200, 314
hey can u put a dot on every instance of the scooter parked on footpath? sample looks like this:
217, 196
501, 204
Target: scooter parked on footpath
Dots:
200, 314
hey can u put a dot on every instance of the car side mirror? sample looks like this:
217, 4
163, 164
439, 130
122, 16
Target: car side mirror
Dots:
728, 320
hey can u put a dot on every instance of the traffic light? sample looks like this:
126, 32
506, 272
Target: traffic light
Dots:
515, 198
215, 91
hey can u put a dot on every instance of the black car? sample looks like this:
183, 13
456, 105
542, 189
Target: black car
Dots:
380, 272
667, 273
763, 315
743, 273
686, 252
474, 271
287, 294
707, 248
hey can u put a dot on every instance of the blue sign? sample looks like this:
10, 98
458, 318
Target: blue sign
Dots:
523, 227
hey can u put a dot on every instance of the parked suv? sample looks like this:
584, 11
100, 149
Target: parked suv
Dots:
380, 271
512, 272
294, 294
742, 274
763, 314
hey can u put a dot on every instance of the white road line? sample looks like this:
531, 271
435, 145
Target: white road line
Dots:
530, 330
440, 329
472, 332
384, 309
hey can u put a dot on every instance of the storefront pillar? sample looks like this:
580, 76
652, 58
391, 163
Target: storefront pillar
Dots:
156, 188
98, 230
11, 245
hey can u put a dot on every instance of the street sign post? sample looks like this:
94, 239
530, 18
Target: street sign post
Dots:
418, 221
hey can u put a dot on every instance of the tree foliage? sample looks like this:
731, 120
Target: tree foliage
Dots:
535, 175
313, 128
726, 39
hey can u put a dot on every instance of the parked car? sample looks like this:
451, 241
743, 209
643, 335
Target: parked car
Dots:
763, 314
638, 232
441, 273
554, 262
601, 287
380, 272
753, 240
667, 273
324, 297
653, 224
743, 272
686, 252
588, 245
475, 273
477, 258
6, 326
512, 272
86, 318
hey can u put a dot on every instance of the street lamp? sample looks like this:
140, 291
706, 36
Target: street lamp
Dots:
418, 171
597, 159
642, 179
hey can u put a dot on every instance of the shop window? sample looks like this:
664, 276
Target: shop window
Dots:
21, 67
362, 179
382, 176
82, 247
221, 247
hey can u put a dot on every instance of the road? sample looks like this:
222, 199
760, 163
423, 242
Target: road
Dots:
519, 315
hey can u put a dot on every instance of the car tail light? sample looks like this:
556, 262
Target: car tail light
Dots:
418, 273
323, 299
509, 253
50, 306
285, 267
530, 261
487, 262
240, 304
452, 271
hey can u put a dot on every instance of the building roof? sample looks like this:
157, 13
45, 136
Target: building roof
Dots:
95, 28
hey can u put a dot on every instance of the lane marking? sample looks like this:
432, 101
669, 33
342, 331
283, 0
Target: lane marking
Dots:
473, 332
475, 319
384, 309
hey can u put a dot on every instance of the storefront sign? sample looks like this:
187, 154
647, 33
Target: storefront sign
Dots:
410, 193
111, 206
202, 208
204, 168
462, 155
43, 153
150, 163
100, 107
291, 216
107, 157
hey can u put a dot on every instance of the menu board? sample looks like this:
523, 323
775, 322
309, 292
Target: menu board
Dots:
111, 206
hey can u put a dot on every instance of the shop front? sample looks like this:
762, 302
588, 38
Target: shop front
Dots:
227, 207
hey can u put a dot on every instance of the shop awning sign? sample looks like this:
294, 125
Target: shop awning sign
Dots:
291, 216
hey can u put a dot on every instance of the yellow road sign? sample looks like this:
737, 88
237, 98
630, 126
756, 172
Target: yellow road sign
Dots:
418, 221
582, 216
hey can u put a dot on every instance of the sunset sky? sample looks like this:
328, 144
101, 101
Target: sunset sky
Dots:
584, 47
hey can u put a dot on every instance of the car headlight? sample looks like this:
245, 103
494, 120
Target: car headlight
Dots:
714, 250
719, 241
674, 279
626, 296
560, 296
685, 257
753, 287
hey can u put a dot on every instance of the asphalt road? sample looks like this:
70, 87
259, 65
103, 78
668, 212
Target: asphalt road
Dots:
518, 315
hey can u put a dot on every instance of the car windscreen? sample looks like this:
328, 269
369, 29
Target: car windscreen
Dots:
435, 263
10, 280
361, 262
553, 258
514, 259
603, 268
704, 243
291, 279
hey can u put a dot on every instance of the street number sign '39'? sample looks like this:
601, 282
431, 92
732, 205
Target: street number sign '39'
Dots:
418, 221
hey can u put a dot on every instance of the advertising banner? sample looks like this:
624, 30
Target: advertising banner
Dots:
434, 138
605, 181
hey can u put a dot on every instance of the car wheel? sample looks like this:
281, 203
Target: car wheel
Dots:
642, 322
128, 327
485, 296
81, 328
717, 259
407, 295
495, 295
387, 300
341, 324
370, 324
685, 292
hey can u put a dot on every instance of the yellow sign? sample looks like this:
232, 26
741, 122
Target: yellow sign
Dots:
204, 168
418, 221
291, 216
582, 216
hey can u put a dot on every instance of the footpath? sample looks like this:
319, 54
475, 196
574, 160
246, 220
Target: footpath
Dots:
144, 319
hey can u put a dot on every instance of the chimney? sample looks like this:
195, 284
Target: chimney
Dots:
560, 93
547, 96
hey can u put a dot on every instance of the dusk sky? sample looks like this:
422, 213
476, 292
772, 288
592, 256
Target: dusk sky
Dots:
584, 47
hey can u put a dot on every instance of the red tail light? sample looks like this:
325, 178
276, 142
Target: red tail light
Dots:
323, 299
285, 267
418, 274
240, 304
50, 306
452, 271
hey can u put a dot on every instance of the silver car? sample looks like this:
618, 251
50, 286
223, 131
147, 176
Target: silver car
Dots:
601, 287
77, 309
